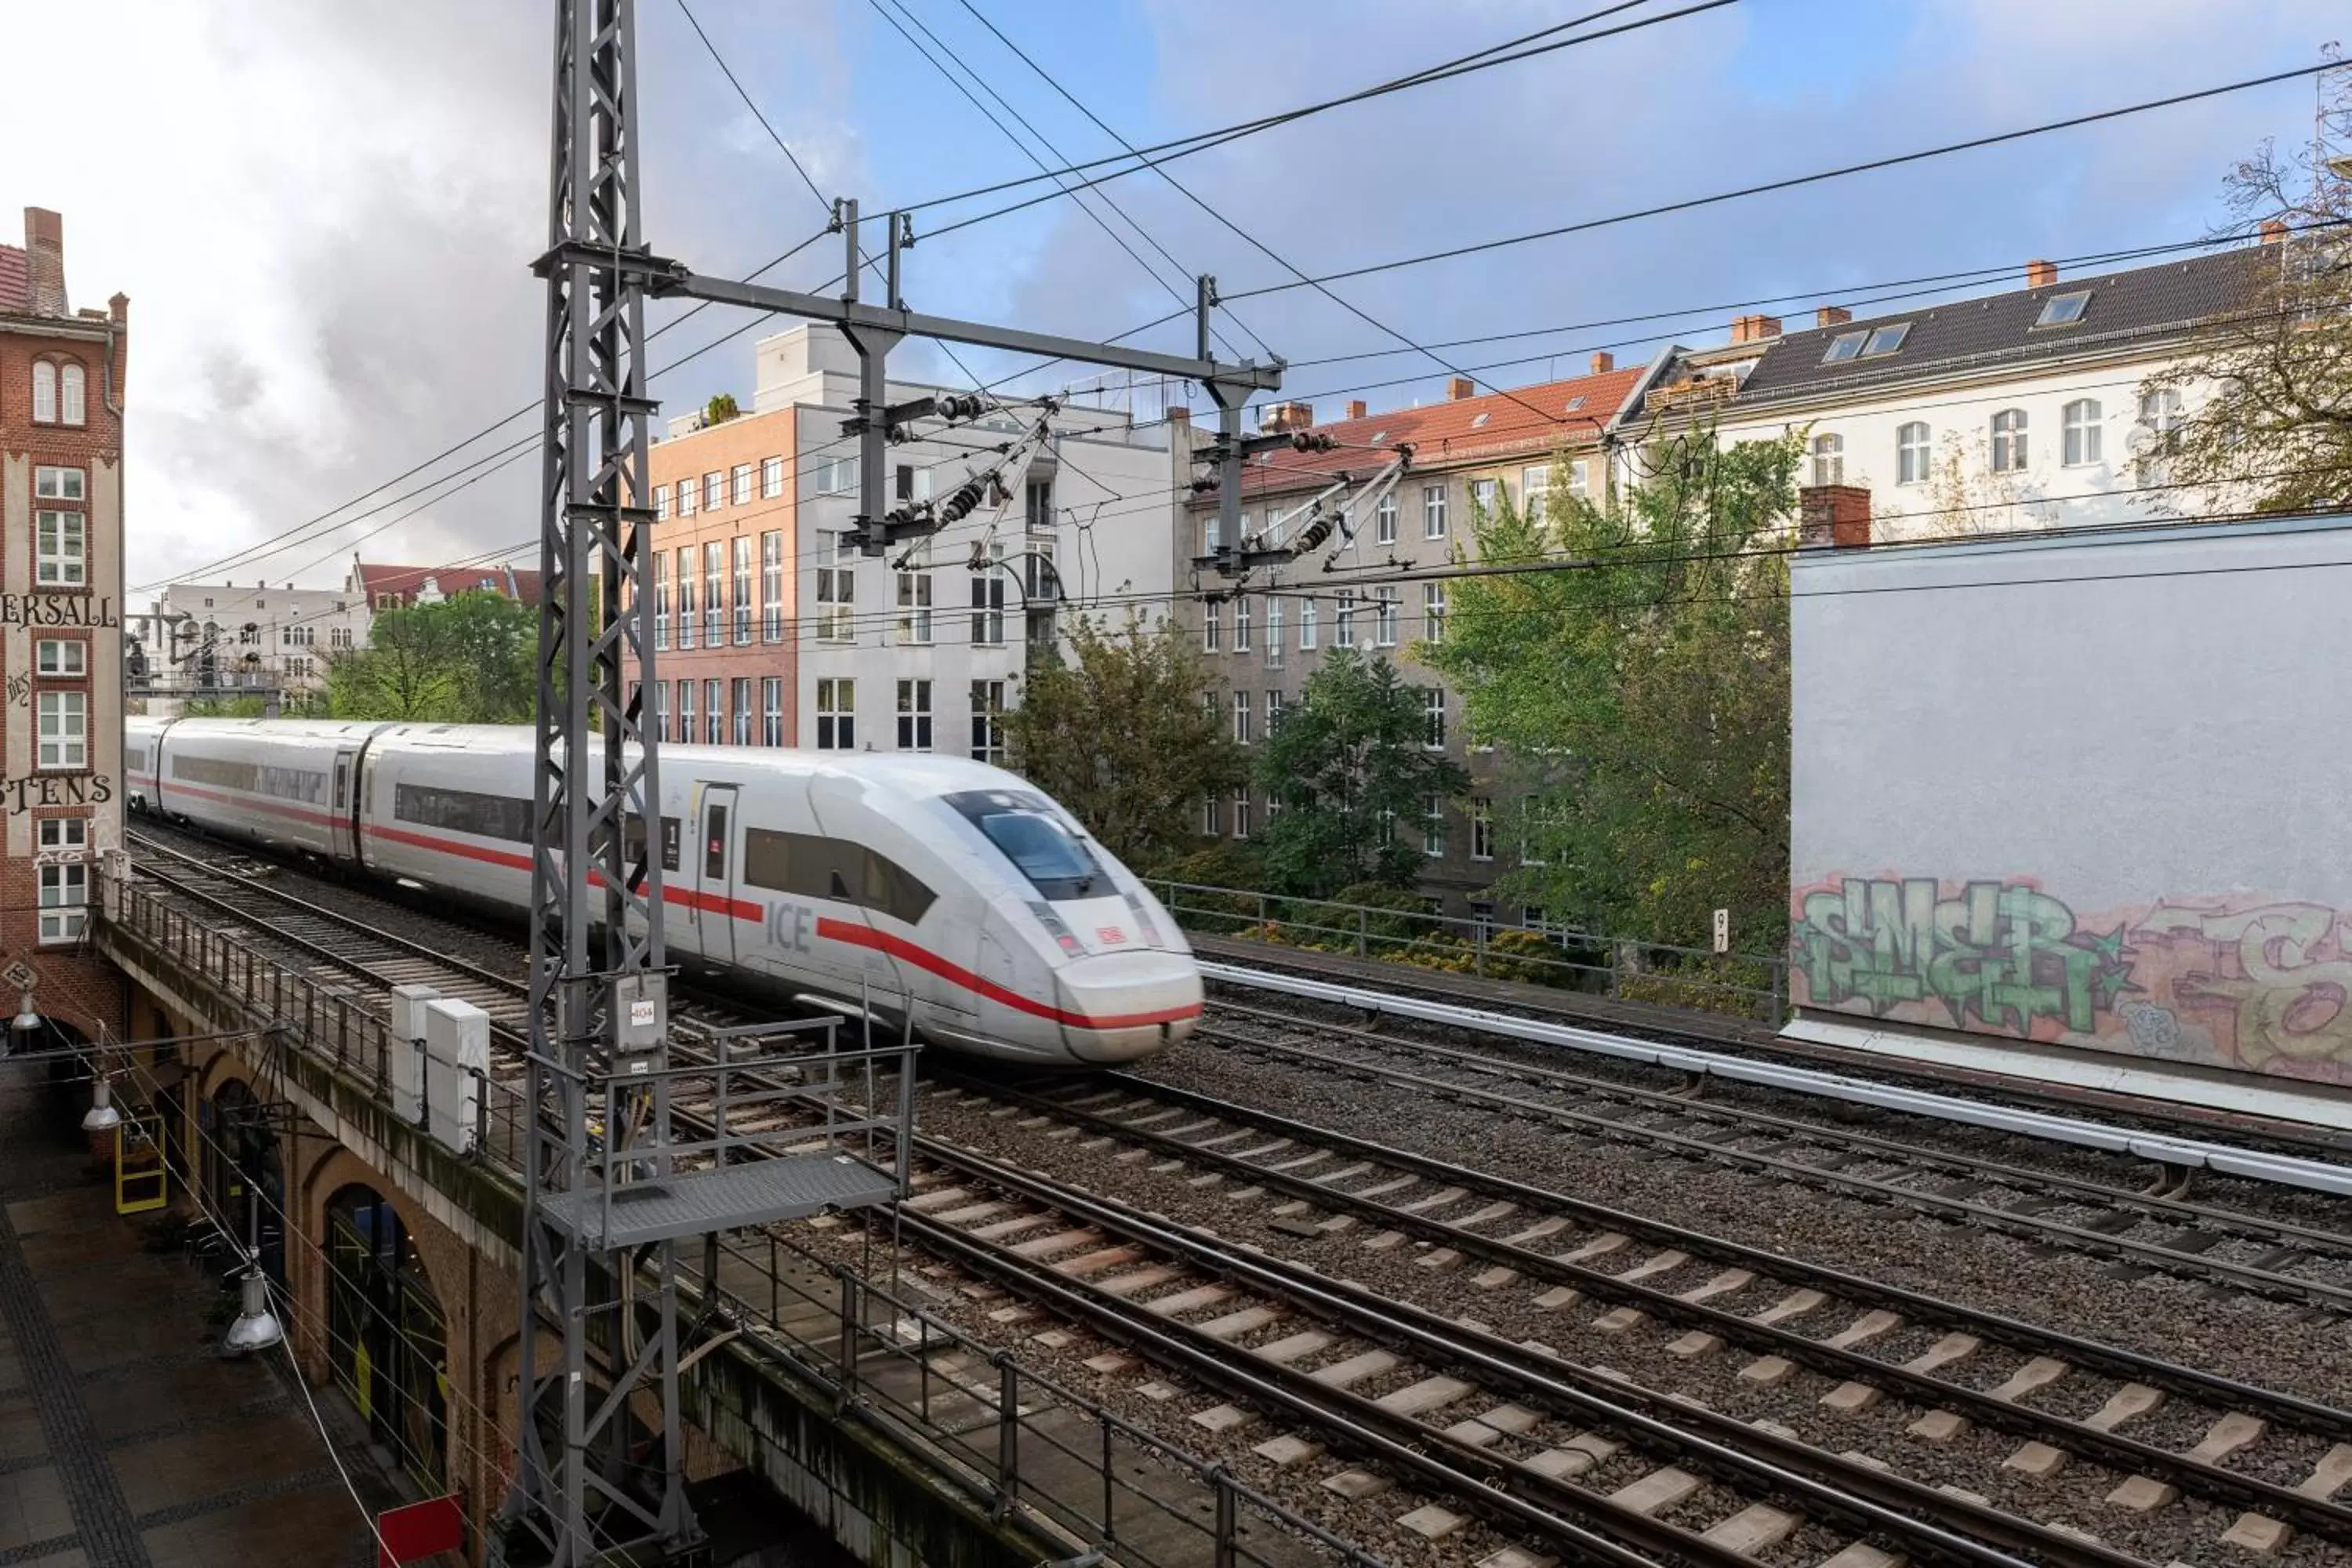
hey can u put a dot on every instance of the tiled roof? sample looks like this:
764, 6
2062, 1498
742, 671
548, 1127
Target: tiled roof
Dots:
375, 581
15, 280
2125, 312
1527, 420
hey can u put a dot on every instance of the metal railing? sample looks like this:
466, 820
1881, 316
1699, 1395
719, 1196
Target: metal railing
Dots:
1021, 1434
1751, 985
1014, 1437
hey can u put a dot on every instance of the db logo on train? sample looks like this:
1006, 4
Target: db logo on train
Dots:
1111, 935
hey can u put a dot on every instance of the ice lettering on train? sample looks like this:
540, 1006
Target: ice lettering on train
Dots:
789, 925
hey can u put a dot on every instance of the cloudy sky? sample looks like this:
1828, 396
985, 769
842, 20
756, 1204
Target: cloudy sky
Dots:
323, 213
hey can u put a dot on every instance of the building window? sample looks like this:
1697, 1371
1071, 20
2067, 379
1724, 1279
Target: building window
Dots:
837, 476
1911, 453
1384, 623
988, 608
1481, 920
771, 711
1241, 623
1212, 623
1482, 828
1433, 610
2160, 416
661, 599
1433, 827
739, 708
65, 730
2063, 310
1209, 828
2009, 441
661, 503
685, 496
61, 484
2079, 433
988, 721
61, 658
1432, 717
1273, 712
1307, 610
1432, 512
743, 565
341, 636
1242, 812
63, 561
65, 902
837, 715
1274, 631
914, 715
714, 718
1486, 497
1209, 534
771, 478
1829, 459
714, 594
915, 607
69, 394
837, 604
739, 484
44, 393
685, 713
714, 491
660, 725
771, 586
1242, 717
1576, 480
1535, 486
1385, 519
1844, 347
685, 596
1343, 621
65, 837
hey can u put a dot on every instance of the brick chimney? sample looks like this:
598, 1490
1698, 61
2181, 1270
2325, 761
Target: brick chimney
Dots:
1279, 417
1834, 517
1831, 316
44, 261
1179, 415
1754, 329
1355, 409
2040, 274
1458, 387
1604, 361
2273, 231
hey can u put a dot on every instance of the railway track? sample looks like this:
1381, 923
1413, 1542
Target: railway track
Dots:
2148, 1228
1710, 1322
1736, 1036
1579, 1461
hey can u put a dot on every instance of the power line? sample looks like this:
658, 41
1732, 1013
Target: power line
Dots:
1794, 181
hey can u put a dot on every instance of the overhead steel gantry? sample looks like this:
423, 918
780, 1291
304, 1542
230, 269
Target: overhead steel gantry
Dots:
586, 1489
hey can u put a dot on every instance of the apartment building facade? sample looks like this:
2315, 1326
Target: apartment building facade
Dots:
769, 630
1267, 634
2018, 410
61, 506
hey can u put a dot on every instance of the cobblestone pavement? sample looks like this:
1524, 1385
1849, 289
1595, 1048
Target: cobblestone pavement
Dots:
126, 1441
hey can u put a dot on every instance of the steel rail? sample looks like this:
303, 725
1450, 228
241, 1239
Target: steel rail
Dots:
1871, 1500
2156, 1205
2127, 1455
2245, 1275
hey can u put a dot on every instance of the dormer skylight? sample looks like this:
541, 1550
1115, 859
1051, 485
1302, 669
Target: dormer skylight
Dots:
1481, 420
1867, 343
1844, 347
1378, 436
2063, 310
1575, 403
1886, 339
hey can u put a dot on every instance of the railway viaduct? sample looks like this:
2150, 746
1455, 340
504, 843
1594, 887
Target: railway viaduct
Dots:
398, 1259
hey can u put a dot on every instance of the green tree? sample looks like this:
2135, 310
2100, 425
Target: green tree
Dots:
1117, 731
467, 660
1641, 689
720, 409
1347, 765
2260, 417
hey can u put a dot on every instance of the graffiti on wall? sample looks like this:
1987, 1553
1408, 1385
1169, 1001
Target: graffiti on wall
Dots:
2241, 981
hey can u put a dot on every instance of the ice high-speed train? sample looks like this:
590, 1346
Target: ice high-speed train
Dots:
915, 883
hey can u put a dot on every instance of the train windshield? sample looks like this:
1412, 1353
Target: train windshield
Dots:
1021, 825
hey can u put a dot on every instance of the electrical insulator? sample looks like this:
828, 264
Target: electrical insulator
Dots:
1312, 441
1317, 530
958, 506
960, 405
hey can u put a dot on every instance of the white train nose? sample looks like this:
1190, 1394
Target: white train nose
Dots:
1122, 1006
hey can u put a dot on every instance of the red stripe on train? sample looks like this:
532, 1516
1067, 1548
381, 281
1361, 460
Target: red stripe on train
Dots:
922, 958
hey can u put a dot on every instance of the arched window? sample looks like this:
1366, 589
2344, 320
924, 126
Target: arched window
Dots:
2080, 442
69, 394
44, 393
2161, 416
1911, 453
1829, 459
2009, 441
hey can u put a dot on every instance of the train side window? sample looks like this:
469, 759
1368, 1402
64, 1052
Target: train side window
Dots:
343, 783
812, 867
895, 891
714, 851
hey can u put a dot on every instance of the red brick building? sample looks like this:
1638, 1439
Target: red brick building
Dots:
61, 389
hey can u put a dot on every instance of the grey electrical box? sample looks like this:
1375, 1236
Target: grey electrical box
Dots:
640, 1012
